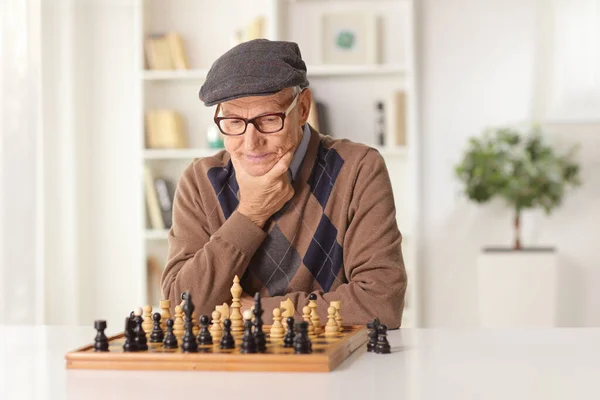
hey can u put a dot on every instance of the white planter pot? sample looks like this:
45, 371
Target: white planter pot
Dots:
517, 289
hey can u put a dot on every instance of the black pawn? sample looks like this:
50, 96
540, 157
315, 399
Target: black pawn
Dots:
383, 346
302, 343
130, 344
288, 339
140, 335
101, 341
372, 325
157, 334
248, 340
170, 340
259, 334
204, 336
227, 340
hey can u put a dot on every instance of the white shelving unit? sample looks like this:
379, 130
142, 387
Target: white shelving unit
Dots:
349, 92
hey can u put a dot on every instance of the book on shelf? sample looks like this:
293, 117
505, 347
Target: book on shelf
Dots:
159, 193
396, 119
153, 273
254, 30
165, 129
166, 52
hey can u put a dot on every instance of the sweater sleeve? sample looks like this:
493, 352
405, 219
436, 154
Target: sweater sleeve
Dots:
199, 262
373, 260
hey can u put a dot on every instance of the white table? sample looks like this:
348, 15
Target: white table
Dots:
425, 364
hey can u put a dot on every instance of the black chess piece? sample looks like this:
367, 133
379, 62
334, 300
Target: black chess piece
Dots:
288, 339
140, 335
204, 336
227, 340
372, 326
248, 340
259, 334
302, 343
101, 341
189, 344
170, 340
383, 346
157, 335
130, 344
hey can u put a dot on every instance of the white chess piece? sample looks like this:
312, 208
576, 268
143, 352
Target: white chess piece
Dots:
277, 329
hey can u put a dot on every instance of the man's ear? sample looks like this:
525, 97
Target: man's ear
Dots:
305, 101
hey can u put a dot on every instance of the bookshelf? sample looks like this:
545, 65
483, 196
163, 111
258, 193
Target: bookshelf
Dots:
346, 90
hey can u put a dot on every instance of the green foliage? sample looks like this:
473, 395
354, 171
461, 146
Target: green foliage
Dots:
520, 168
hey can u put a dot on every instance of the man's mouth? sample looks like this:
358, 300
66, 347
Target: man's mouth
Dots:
256, 158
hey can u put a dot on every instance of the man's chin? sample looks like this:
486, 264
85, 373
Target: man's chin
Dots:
257, 169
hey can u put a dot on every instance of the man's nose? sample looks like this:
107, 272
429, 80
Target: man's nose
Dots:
252, 138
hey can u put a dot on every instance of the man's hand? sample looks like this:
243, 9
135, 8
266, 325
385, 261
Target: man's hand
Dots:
262, 196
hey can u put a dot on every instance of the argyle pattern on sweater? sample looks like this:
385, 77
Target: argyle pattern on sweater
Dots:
285, 253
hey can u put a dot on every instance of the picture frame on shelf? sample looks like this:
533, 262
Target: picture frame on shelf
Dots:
349, 38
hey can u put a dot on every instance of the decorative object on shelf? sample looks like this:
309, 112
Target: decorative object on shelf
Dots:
523, 170
380, 123
159, 193
165, 130
517, 286
349, 38
165, 52
214, 139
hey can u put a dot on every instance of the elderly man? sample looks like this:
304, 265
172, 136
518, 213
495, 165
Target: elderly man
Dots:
288, 210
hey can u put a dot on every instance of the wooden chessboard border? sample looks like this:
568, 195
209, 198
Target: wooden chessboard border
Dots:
333, 355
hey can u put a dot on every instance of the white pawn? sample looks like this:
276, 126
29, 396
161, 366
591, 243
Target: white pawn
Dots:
331, 329
306, 317
178, 325
148, 323
277, 329
216, 330
165, 305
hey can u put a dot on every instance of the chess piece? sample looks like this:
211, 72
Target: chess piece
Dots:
157, 334
225, 312
165, 306
372, 326
170, 340
147, 324
306, 317
314, 316
189, 344
302, 343
338, 317
179, 323
216, 329
331, 328
140, 335
259, 334
227, 340
237, 324
130, 344
248, 340
195, 327
204, 336
277, 329
288, 339
382, 346
100, 341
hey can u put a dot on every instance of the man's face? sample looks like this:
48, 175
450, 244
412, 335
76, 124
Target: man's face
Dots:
258, 152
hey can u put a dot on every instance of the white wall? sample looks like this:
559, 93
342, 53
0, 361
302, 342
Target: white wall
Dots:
478, 68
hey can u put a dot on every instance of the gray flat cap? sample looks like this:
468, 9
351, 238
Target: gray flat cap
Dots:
258, 67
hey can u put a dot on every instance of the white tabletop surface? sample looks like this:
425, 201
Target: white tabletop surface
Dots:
425, 364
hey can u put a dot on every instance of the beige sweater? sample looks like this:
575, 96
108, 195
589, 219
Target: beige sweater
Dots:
337, 238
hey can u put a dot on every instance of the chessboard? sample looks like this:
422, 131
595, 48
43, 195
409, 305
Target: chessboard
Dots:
327, 353
231, 340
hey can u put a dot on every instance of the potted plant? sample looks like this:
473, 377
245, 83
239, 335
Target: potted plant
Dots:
517, 285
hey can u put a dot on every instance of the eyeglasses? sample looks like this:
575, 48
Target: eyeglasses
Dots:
267, 123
